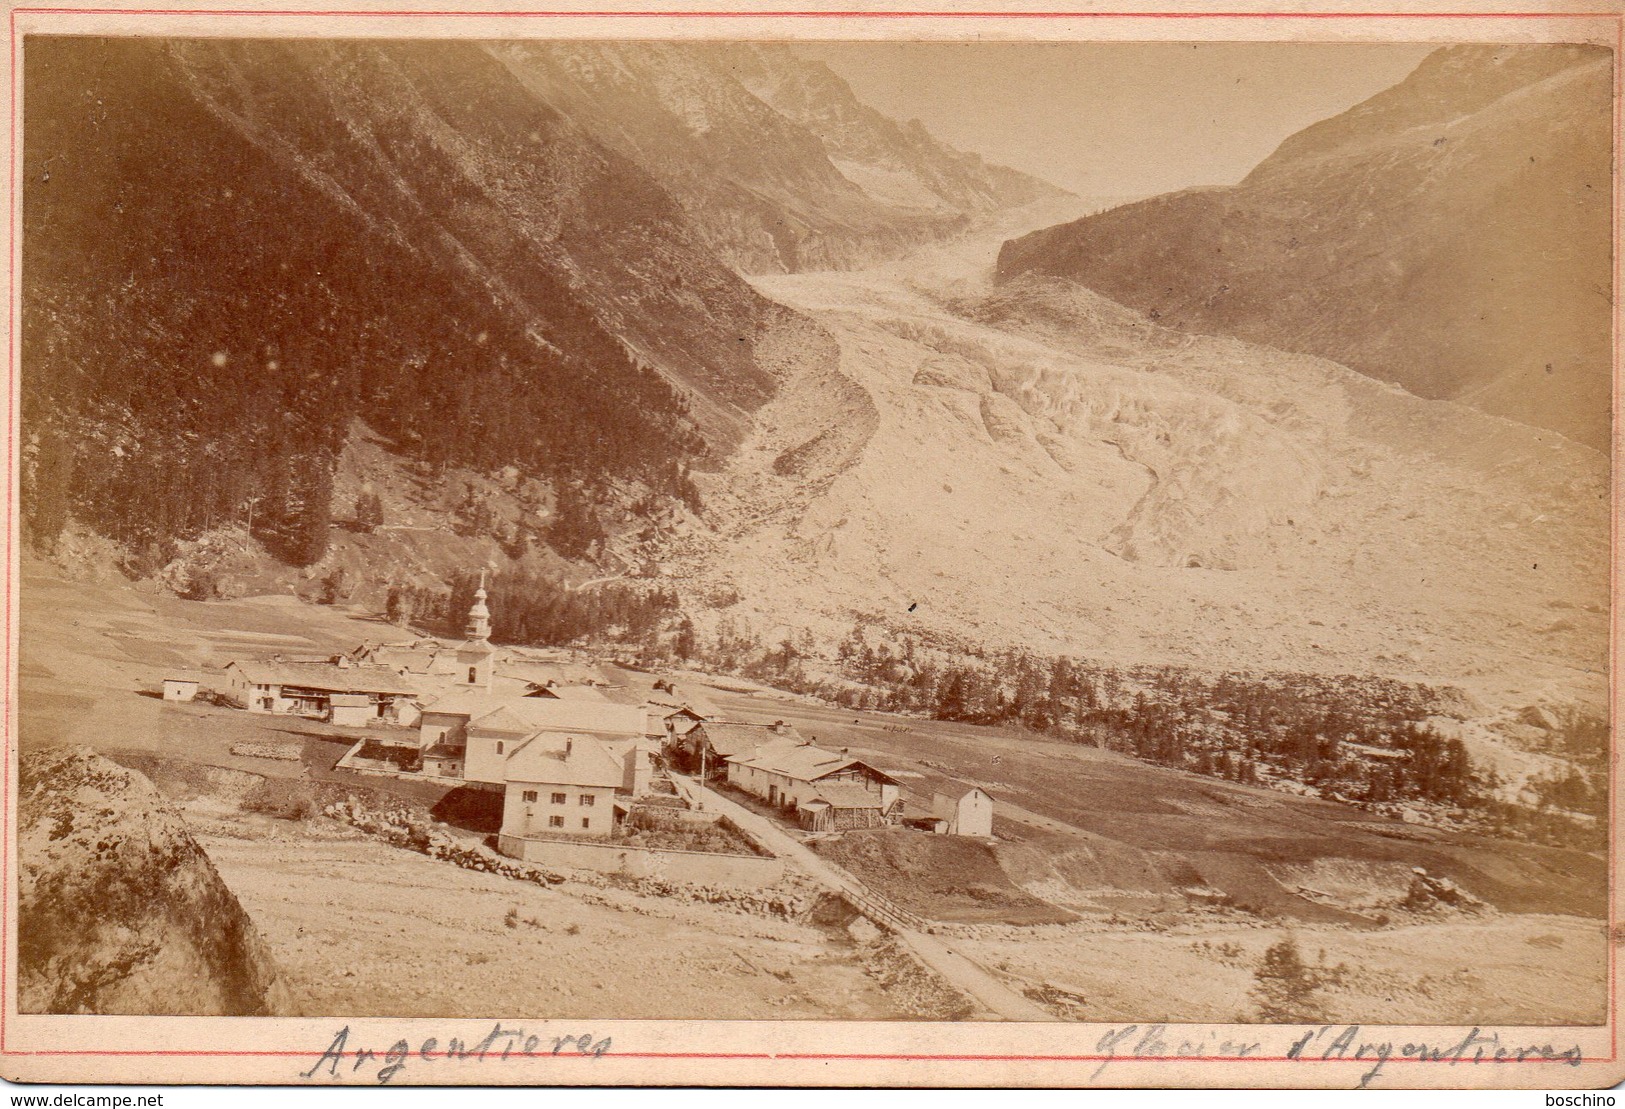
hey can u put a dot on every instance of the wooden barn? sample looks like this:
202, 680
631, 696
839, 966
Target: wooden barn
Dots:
828, 791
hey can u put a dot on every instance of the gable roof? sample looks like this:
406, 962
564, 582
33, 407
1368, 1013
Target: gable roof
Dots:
803, 762
491, 712
325, 676
682, 699
500, 719
578, 693
547, 759
728, 737
847, 795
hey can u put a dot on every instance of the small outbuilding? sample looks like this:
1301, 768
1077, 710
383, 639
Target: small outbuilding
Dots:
970, 814
180, 689
351, 710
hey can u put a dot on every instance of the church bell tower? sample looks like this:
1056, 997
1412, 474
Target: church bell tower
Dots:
475, 656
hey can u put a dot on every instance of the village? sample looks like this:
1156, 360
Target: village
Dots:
372, 793
560, 757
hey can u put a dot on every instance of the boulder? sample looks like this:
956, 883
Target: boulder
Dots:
119, 910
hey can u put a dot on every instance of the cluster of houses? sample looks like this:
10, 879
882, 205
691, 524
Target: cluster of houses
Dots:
569, 751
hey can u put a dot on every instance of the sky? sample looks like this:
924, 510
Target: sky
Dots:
1117, 119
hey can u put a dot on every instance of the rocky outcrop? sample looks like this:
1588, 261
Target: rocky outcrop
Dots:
119, 910
1428, 893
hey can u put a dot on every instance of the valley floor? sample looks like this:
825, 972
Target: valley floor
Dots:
1177, 883
1497, 970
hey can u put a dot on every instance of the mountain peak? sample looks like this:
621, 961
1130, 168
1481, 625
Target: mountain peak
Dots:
1448, 235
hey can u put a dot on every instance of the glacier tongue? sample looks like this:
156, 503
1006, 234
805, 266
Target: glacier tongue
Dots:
1038, 466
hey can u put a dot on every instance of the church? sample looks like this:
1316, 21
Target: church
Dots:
529, 744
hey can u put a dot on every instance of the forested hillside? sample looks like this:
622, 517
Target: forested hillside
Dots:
232, 249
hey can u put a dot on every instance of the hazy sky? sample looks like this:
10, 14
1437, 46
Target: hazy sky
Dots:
1118, 119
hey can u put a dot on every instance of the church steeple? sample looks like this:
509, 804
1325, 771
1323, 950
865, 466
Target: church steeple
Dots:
479, 617
476, 654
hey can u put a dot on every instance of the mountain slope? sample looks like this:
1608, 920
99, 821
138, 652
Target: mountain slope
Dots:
771, 156
233, 249
1449, 235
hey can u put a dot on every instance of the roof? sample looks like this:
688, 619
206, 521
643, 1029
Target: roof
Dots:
192, 679
681, 699
563, 671
729, 738
576, 693
539, 672
531, 714
398, 654
848, 795
619, 746
350, 700
955, 798
802, 761
548, 759
325, 676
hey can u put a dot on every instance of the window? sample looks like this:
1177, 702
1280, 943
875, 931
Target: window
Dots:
530, 795
558, 798
585, 823
555, 822
587, 799
499, 747
472, 679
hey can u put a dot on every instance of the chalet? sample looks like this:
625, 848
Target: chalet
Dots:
180, 688
827, 790
684, 708
970, 814
557, 784
307, 688
709, 744
679, 721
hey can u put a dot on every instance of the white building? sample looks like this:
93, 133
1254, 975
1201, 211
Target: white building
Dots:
180, 689
970, 814
560, 785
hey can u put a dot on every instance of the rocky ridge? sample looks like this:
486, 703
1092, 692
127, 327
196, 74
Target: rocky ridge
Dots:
1449, 235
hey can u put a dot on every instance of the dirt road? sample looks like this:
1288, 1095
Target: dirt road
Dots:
993, 997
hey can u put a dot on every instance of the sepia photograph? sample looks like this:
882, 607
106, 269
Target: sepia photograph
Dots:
874, 537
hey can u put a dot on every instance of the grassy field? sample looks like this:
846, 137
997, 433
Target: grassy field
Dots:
1181, 882
948, 878
1111, 824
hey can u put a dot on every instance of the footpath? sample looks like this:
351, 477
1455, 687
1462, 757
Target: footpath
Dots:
995, 999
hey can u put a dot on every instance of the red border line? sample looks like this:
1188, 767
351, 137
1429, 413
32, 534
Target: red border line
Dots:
7, 730
574, 14
1613, 569
435, 1056
13, 384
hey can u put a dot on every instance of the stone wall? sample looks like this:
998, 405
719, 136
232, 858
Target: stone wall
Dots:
747, 871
